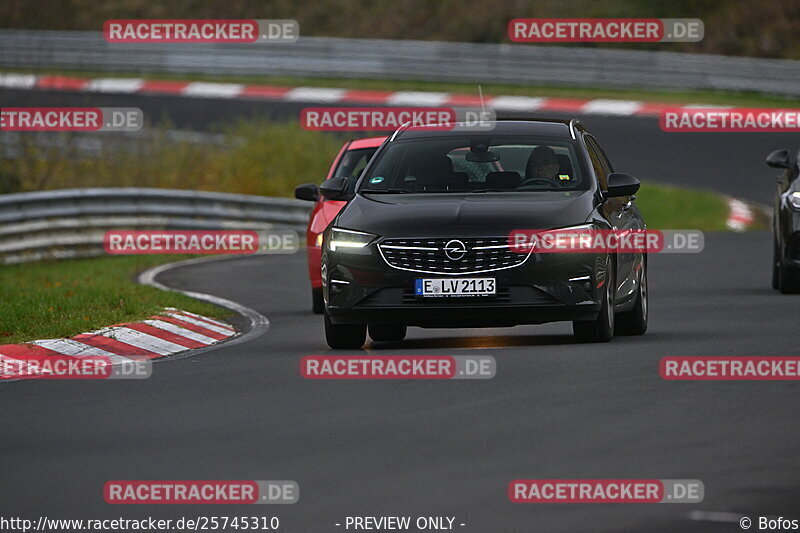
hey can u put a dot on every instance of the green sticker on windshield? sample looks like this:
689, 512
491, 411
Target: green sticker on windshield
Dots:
563, 177
376, 179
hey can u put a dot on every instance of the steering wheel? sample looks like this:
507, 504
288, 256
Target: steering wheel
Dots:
536, 181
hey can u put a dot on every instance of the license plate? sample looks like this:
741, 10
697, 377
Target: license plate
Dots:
444, 287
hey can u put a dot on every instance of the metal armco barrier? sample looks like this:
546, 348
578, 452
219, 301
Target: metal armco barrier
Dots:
520, 64
71, 223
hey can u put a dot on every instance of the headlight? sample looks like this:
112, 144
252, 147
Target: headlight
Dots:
577, 228
543, 240
794, 200
344, 239
319, 240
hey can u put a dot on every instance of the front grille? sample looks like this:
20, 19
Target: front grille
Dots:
483, 254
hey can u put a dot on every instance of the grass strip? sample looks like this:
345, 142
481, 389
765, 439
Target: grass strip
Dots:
54, 299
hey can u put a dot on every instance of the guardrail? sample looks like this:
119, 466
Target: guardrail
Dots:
519, 64
70, 223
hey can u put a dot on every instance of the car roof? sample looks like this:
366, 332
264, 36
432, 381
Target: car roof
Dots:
542, 127
371, 142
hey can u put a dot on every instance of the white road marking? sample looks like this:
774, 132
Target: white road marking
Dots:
516, 103
740, 216
201, 317
611, 107
183, 332
74, 348
314, 94
115, 85
11, 366
212, 327
142, 340
213, 90
417, 98
18, 81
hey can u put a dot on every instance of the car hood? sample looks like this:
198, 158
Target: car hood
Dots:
407, 215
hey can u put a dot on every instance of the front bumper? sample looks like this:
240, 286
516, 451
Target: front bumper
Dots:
360, 287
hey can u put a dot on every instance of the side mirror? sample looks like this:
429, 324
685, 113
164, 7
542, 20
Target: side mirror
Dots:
779, 159
335, 189
621, 185
307, 191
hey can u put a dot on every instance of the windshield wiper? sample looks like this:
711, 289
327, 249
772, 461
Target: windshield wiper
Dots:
384, 191
513, 190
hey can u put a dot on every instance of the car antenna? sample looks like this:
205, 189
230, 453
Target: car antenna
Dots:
483, 104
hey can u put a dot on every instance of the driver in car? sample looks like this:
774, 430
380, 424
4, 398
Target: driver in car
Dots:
542, 168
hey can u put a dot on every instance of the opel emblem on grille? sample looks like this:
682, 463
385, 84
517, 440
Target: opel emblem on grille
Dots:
455, 250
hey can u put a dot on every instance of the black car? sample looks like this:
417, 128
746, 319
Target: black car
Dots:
786, 224
423, 240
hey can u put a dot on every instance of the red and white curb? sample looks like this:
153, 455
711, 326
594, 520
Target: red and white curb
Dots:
199, 89
168, 333
741, 216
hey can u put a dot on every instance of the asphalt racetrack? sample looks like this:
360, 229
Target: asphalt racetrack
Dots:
555, 409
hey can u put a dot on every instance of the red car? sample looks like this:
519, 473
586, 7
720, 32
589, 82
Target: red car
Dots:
350, 161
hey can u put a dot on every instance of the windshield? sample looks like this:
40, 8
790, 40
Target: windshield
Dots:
353, 163
475, 164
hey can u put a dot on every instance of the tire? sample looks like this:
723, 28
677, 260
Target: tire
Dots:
776, 266
387, 332
344, 336
634, 322
602, 328
317, 302
788, 279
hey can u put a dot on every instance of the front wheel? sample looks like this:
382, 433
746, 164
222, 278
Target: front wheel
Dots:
788, 280
785, 278
602, 328
344, 336
776, 265
634, 322
317, 301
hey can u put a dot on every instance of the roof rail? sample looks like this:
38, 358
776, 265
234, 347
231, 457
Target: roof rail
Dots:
574, 124
402, 127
